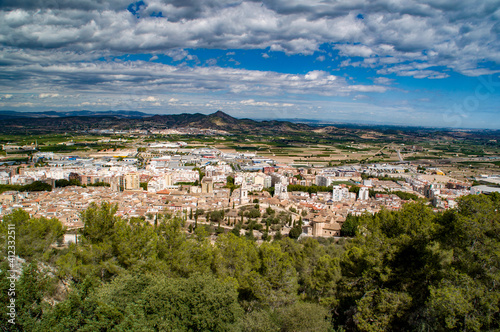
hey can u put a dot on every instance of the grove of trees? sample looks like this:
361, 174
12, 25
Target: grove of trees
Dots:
410, 270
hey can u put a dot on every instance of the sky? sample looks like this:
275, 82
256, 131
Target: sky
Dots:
429, 63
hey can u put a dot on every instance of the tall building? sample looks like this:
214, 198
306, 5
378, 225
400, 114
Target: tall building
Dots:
364, 194
207, 185
340, 193
322, 180
337, 194
132, 181
243, 193
168, 179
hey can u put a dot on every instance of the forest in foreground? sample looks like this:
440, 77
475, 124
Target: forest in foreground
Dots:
411, 270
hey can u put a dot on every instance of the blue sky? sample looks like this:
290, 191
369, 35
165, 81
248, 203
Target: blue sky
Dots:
429, 62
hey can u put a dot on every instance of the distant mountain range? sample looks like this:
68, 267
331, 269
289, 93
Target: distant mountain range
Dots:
15, 122
44, 122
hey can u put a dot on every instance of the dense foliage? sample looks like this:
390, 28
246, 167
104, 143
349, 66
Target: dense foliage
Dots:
35, 186
309, 189
410, 270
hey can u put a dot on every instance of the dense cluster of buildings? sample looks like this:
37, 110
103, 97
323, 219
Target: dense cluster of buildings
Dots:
170, 178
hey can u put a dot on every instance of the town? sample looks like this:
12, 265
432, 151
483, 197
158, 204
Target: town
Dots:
231, 189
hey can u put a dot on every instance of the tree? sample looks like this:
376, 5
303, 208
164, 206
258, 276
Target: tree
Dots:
148, 303
350, 226
98, 222
270, 211
320, 276
379, 308
236, 230
29, 292
62, 183
217, 216
304, 317
264, 320
295, 232
253, 213
238, 258
201, 302
278, 285
37, 186
34, 236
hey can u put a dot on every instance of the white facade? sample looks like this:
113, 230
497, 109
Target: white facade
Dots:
280, 191
337, 194
364, 194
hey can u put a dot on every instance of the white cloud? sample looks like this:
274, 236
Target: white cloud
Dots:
383, 80
7, 96
81, 47
27, 103
251, 102
156, 78
459, 36
211, 62
48, 95
94, 103
150, 99
418, 70
177, 54
355, 50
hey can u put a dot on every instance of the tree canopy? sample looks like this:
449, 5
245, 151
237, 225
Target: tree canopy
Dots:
407, 270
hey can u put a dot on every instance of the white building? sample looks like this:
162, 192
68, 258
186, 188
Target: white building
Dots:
337, 194
280, 190
364, 194
340, 193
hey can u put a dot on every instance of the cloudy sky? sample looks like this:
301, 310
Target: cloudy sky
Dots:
428, 62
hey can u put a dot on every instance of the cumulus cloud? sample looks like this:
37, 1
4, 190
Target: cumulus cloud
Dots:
150, 99
22, 104
355, 50
211, 62
94, 103
48, 95
383, 80
251, 102
177, 54
418, 70
157, 78
460, 36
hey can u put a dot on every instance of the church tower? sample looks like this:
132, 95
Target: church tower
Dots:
243, 193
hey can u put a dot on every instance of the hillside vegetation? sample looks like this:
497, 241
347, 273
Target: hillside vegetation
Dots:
412, 270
